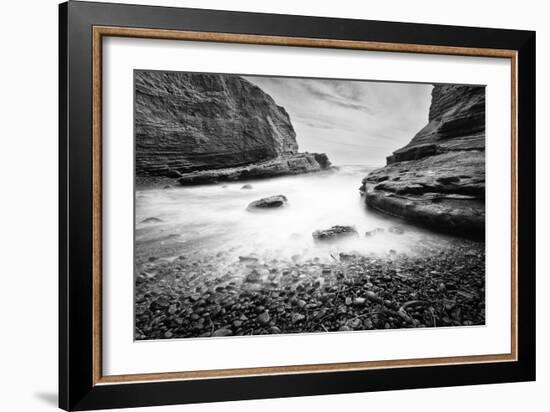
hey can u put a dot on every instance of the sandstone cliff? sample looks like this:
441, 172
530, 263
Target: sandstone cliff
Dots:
189, 125
438, 179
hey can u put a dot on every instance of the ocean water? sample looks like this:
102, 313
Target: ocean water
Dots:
213, 219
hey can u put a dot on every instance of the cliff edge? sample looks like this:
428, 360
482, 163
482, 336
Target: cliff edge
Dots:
190, 125
438, 179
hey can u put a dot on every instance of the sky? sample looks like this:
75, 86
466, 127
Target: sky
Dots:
353, 122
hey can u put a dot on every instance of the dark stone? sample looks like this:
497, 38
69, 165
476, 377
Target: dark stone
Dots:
152, 220
335, 232
223, 332
269, 202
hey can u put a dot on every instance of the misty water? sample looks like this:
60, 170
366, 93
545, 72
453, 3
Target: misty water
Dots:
213, 219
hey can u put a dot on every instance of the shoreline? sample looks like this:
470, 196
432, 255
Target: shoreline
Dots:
438, 286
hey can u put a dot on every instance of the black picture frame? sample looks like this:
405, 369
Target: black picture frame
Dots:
77, 390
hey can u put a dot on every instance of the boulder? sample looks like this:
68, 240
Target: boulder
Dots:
268, 202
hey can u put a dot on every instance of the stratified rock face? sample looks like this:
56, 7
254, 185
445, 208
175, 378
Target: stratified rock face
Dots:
438, 179
189, 122
456, 122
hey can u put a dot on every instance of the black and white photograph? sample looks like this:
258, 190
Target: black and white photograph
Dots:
275, 205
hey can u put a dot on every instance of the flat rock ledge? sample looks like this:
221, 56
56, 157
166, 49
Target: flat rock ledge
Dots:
444, 192
283, 165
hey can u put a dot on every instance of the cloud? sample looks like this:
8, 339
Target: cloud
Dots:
354, 122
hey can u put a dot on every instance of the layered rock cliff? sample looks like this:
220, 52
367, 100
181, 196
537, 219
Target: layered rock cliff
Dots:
190, 125
438, 179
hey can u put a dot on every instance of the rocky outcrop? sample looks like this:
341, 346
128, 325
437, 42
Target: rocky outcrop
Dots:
438, 179
187, 123
280, 166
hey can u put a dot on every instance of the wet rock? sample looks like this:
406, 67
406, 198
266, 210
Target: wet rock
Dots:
269, 202
248, 259
374, 232
264, 318
358, 301
253, 277
223, 332
152, 220
297, 317
398, 230
335, 232
370, 295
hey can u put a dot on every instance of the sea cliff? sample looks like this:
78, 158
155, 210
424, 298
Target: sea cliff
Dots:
438, 179
202, 128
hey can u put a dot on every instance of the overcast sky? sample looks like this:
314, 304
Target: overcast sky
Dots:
353, 122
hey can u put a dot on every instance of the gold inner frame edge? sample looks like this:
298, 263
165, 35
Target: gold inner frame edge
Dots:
98, 32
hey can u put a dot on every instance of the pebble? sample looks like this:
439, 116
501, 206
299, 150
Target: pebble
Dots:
264, 318
297, 317
223, 332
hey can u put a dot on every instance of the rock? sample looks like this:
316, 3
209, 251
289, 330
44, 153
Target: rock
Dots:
264, 318
268, 202
370, 295
297, 317
223, 332
253, 277
335, 232
367, 324
374, 232
247, 186
282, 165
438, 179
152, 220
398, 230
359, 301
248, 259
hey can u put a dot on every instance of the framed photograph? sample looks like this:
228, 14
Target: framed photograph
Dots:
257, 205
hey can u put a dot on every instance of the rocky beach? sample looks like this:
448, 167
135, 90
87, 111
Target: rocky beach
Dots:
239, 233
439, 284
